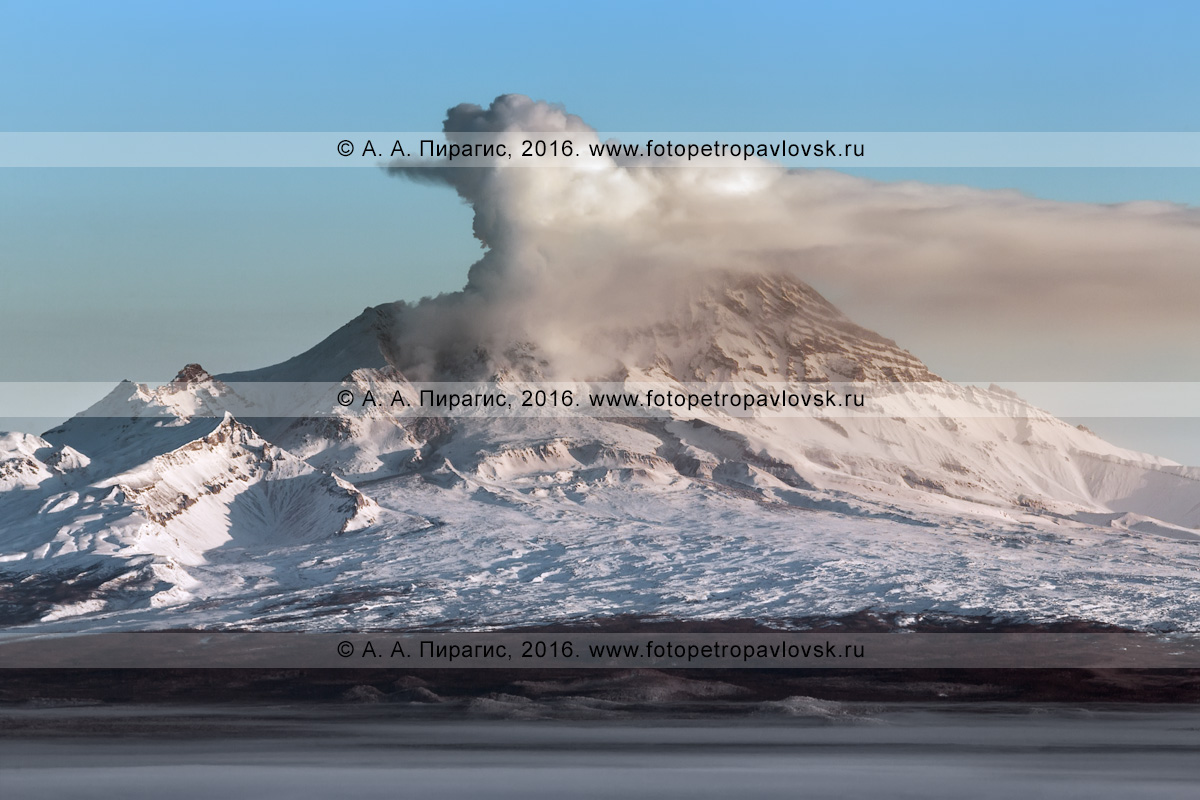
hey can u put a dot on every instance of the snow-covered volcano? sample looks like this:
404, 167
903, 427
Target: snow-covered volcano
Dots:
156, 509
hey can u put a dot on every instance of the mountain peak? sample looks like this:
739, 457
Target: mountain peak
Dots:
763, 327
192, 373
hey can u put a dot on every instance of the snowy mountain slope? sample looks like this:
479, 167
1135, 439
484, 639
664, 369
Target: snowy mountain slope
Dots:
354, 345
944, 444
127, 534
769, 327
28, 461
498, 556
233, 485
225, 485
155, 509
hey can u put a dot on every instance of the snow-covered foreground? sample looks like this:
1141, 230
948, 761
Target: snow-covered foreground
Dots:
468, 556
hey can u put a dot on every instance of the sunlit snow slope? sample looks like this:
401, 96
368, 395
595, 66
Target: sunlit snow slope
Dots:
163, 512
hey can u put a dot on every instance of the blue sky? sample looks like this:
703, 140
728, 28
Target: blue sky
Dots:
631, 66
106, 274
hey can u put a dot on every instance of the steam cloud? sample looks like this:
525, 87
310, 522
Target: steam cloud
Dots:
1052, 290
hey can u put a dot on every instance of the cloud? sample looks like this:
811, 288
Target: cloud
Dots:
980, 277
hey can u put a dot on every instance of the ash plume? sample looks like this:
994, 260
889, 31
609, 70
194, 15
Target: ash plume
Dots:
984, 274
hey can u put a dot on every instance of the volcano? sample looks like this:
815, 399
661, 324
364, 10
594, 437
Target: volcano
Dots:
156, 508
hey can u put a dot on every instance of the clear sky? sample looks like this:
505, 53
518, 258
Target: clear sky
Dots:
106, 274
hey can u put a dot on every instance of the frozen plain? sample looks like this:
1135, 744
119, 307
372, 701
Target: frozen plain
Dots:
814, 749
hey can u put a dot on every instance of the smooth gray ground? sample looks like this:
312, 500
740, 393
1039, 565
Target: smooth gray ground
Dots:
985, 751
